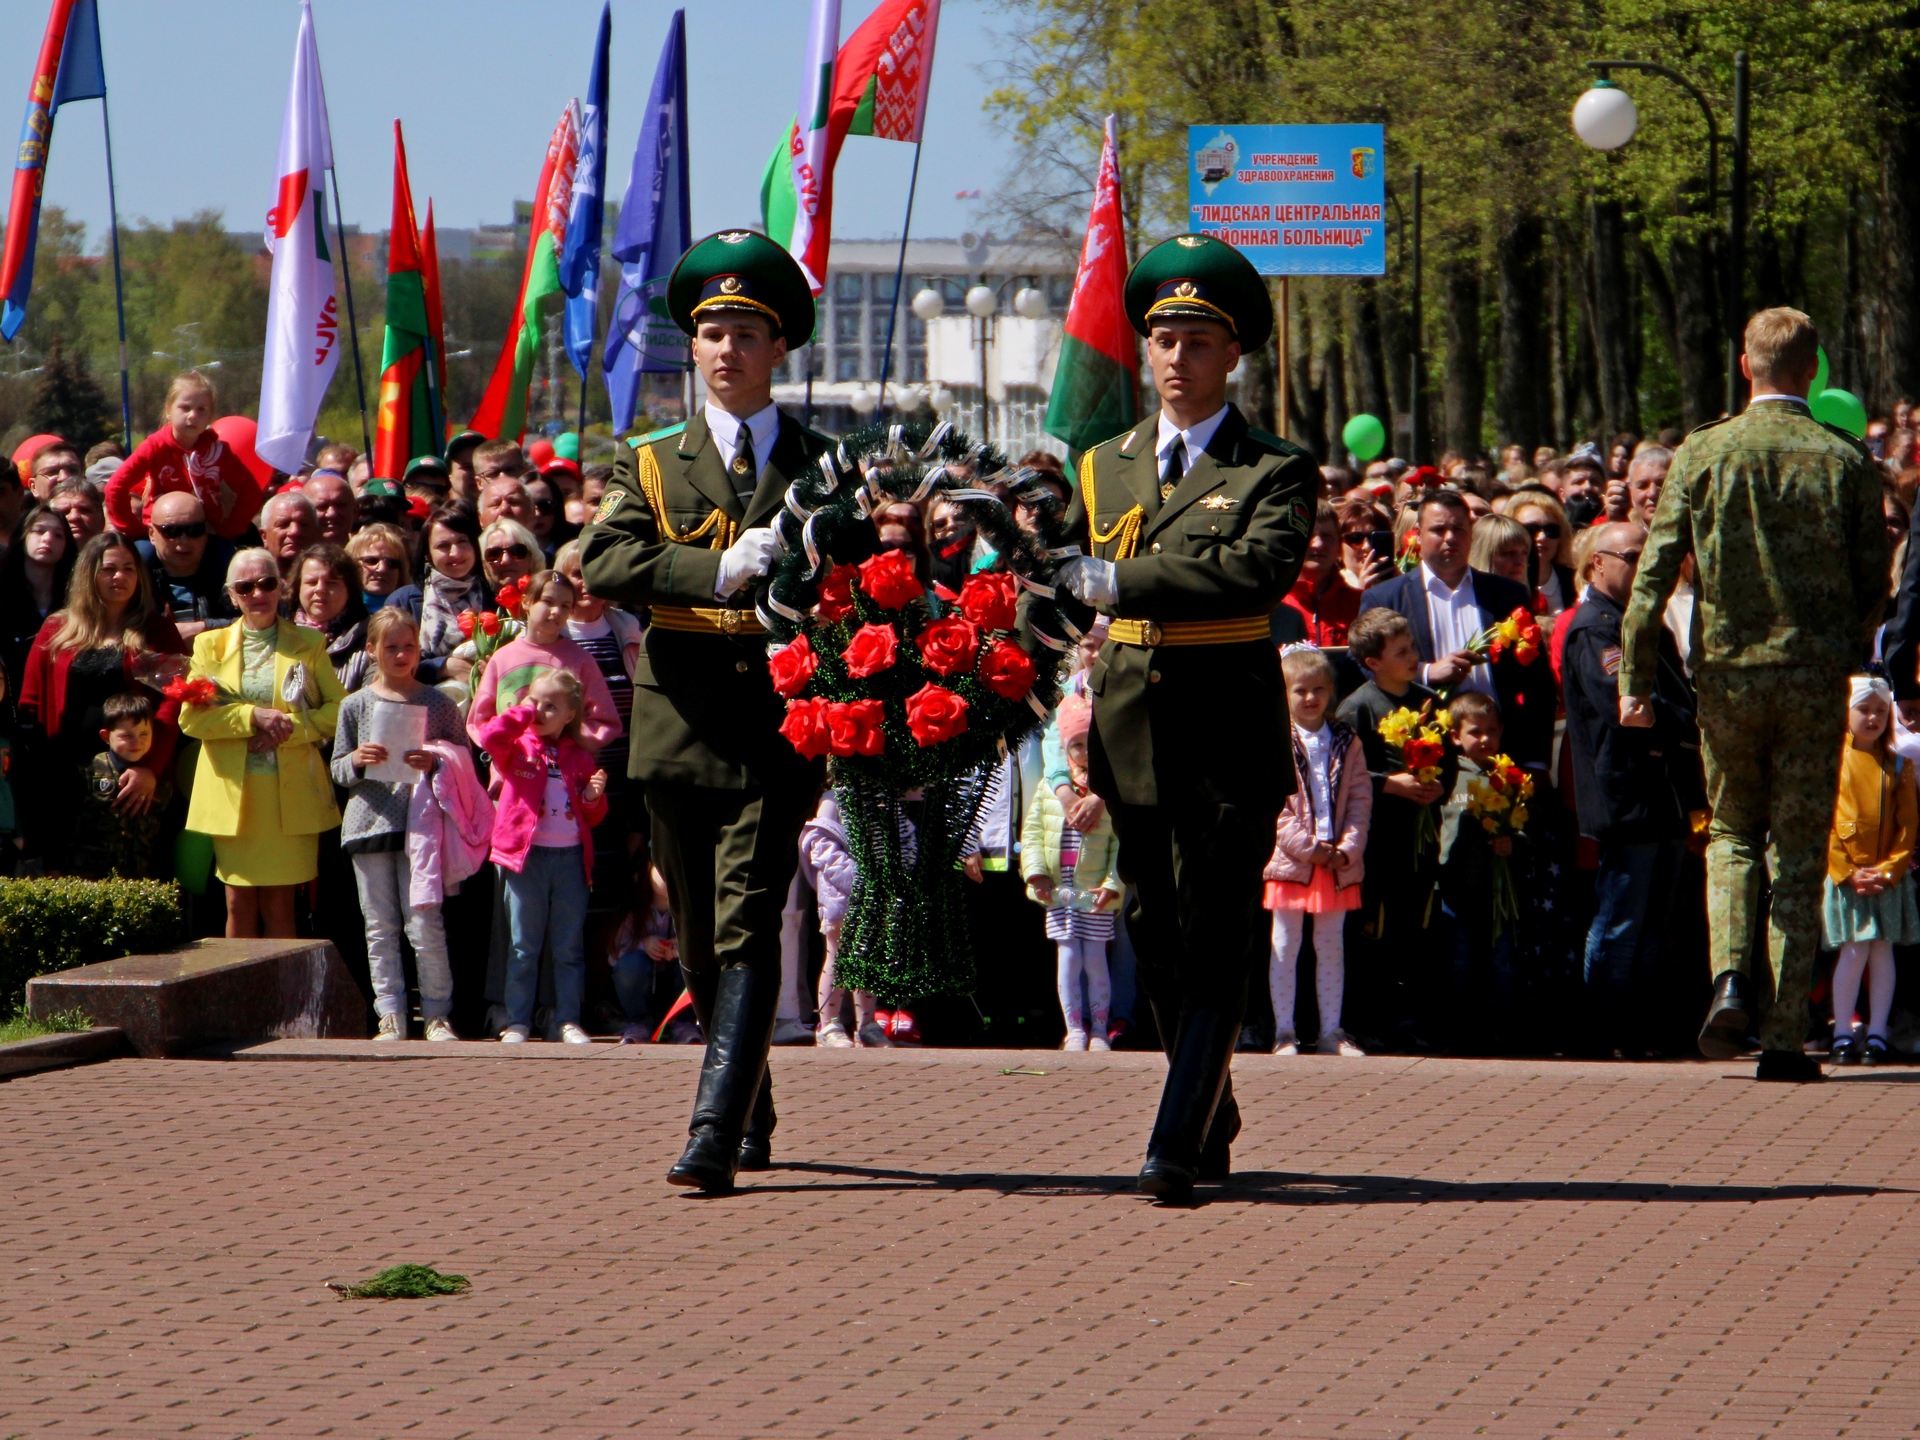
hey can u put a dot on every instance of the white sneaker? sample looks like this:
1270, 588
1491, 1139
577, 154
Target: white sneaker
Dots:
441, 1028
1338, 1042
392, 1027
1099, 1042
572, 1034
1286, 1043
833, 1036
792, 1031
1076, 1040
634, 1035
514, 1035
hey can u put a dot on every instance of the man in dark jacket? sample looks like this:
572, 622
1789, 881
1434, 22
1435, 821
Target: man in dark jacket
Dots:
1448, 604
1634, 787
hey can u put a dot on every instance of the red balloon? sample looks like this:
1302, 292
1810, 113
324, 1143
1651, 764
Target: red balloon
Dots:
539, 453
24, 452
238, 432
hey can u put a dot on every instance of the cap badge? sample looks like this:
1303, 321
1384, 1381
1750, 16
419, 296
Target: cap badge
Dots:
1186, 290
730, 285
1191, 242
732, 237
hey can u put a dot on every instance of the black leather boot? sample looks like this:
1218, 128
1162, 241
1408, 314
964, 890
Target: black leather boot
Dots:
1729, 1018
739, 1030
1216, 1156
756, 1146
1196, 1075
1791, 1065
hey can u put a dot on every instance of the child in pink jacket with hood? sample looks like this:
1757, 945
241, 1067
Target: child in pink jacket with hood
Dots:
1319, 852
551, 795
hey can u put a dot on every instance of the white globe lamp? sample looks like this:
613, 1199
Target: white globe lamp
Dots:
940, 399
1030, 304
865, 400
1605, 117
928, 304
981, 302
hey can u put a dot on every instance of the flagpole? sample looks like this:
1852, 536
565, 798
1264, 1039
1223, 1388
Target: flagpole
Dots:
119, 289
353, 325
899, 269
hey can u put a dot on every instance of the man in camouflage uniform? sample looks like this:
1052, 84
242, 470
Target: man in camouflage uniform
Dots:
1783, 515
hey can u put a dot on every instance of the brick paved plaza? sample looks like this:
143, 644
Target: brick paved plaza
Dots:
1411, 1247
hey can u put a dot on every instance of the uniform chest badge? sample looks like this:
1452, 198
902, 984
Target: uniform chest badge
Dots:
1218, 502
1166, 490
609, 503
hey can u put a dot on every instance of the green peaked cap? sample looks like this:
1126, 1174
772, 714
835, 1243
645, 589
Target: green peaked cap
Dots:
1196, 277
741, 271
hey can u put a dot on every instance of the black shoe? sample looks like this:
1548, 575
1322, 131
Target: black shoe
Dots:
708, 1163
1791, 1065
1878, 1052
1167, 1182
1724, 1036
1216, 1156
756, 1153
1845, 1050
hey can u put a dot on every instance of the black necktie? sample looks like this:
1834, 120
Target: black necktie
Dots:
746, 474
1173, 470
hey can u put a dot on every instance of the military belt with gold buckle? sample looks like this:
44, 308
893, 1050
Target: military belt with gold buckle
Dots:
1190, 632
698, 620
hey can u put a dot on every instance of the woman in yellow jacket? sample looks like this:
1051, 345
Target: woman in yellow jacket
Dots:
1869, 906
261, 789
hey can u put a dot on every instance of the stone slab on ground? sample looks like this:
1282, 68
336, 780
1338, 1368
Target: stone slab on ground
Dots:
1409, 1247
73, 1047
212, 991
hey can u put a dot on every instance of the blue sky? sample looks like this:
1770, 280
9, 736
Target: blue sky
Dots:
197, 88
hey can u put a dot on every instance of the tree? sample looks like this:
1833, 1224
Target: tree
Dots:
68, 402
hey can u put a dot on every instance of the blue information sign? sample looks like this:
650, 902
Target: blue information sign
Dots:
1294, 199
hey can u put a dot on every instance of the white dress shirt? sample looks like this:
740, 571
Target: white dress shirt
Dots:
763, 425
1453, 619
1195, 440
1319, 747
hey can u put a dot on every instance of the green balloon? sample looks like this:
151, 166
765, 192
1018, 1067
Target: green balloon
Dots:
1841, 410
1820, 375
1365, 436
567, 446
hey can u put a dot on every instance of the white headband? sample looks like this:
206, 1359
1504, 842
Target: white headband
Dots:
1859, 687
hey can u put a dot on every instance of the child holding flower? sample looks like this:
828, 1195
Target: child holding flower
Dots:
1476, 858
544, 647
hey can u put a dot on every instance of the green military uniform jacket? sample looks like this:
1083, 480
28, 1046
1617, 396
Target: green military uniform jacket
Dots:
1209, 721
1784, 515
704, 708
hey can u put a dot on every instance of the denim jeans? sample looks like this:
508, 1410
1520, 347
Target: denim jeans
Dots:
633, 985
383, 881
547, 902
1633, 895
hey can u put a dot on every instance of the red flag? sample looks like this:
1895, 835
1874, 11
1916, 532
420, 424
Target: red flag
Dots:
1094, 381
405, 418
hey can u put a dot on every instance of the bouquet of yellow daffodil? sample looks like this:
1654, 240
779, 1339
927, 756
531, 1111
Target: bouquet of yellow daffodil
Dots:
1498, 799
1418, 739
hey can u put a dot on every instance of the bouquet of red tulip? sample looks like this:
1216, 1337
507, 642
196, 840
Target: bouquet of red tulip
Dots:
168, 674
489, 629
906, 696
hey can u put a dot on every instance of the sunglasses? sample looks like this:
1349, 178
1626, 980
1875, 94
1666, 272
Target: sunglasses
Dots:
543, 507
507, 552
369, 561
265, 585
1355, 538
192, 530
1542, 530
1625, 557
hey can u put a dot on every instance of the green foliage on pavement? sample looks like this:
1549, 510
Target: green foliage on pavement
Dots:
404, 1282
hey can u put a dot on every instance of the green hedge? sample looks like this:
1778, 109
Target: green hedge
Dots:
48, 925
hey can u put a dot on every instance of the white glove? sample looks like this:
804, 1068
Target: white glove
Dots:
746, 559
1093, 582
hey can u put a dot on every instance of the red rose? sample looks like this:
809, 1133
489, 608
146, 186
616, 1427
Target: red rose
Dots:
949, 646
989, 601
793, 667
836, 593
871, 650
806, 727
888, 577
1006, 670
855, 727
935, 714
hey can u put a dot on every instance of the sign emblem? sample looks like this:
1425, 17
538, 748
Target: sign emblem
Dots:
1365, 162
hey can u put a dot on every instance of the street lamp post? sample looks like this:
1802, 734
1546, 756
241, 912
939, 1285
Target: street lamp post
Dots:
1605, 118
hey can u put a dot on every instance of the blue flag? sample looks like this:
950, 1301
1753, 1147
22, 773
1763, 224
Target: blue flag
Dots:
655, 230
69, 68
586, 211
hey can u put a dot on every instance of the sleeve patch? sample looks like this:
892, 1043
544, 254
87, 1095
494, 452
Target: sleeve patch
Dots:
609, 503
1610, 659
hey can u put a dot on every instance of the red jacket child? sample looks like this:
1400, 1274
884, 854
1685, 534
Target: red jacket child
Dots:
520, 765
210, 470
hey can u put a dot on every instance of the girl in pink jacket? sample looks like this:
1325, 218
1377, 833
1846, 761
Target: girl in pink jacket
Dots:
551, 795
1318, 853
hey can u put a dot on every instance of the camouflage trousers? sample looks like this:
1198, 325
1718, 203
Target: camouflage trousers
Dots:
1771, 738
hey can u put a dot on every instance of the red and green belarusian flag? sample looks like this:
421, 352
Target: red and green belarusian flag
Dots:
410, 407
503, 409
1096, 382
879, 88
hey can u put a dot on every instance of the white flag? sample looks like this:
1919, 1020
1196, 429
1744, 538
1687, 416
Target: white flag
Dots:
303, 323
812, 151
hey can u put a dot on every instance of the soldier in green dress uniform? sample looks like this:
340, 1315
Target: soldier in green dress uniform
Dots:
684, 529
1194, 525
1783, 515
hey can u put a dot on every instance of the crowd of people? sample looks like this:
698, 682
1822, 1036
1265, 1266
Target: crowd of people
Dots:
391, 713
